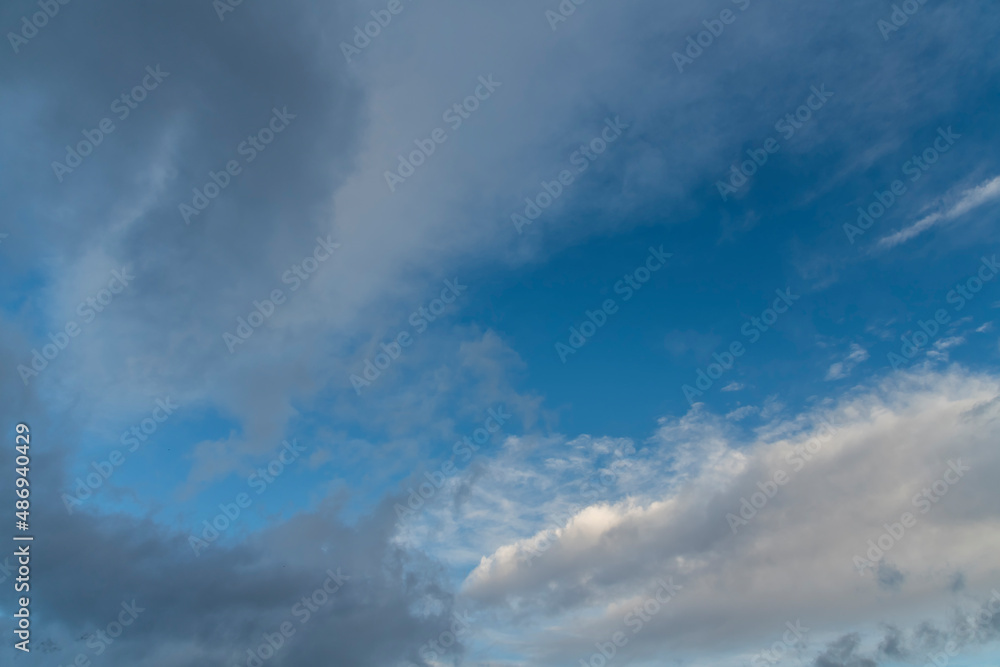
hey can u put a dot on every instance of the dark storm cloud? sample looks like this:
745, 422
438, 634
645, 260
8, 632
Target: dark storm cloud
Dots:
224, 79
844, 653
214, 606
888, 576
216, 84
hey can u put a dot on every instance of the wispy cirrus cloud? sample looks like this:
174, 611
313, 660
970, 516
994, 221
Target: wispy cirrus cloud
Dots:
841, 369
967, 201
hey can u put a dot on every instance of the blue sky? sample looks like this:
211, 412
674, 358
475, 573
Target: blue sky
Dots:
508, 317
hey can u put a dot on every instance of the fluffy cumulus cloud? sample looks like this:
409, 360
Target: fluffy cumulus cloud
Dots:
846, 515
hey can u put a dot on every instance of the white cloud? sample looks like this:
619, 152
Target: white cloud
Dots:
941, 347
950, 342
795, 557
740, 414
967, 201
842, 369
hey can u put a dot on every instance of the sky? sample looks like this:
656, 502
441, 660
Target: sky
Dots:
551, 333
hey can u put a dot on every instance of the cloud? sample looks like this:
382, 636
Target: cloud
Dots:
742, 413
211, 607
949, 342
325, 175
733, 386
842, 369
685, 343
796, 554
844, 653
889, 576
941, 347
968, 200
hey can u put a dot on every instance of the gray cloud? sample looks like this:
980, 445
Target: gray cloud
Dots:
844, 653
324, 176
795, 550
214, 606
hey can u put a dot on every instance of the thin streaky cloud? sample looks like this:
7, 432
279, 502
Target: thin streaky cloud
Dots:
969, 200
